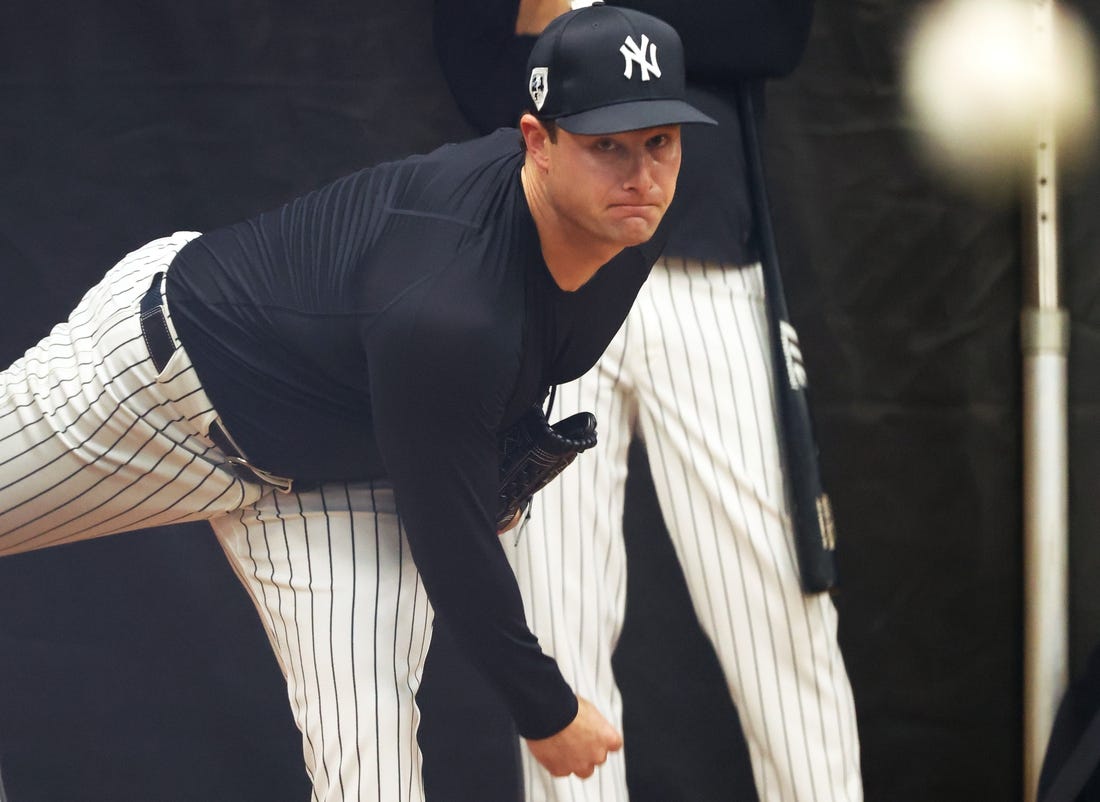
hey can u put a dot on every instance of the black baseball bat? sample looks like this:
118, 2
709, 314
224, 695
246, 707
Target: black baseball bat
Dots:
811, 513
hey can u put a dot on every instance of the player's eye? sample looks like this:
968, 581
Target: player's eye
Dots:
605, 145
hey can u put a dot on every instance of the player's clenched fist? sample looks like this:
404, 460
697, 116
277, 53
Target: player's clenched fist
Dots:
581, 746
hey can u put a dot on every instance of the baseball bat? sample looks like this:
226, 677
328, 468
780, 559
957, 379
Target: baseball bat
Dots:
811, 512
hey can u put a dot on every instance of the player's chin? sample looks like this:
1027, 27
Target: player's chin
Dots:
634, 229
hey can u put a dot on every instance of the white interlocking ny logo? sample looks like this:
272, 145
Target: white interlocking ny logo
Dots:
636, 54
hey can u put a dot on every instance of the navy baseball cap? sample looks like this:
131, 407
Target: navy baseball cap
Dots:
604, 69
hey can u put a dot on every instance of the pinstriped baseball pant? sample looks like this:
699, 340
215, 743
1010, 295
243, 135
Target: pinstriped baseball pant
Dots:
332, 577
690, 372
94, 441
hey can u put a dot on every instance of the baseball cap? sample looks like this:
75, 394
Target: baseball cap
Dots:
604, 69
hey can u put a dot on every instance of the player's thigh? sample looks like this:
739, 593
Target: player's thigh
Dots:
568, 557
334, 582
704, 379
93, 438
570, 563
709, 423
707, 416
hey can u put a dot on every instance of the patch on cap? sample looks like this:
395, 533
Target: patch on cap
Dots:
538, 86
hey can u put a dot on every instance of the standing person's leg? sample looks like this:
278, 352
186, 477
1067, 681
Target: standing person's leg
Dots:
707, 415
570, 563
335, 585
95, 438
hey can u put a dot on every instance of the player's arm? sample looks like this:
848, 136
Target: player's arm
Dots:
439, 449
436, 386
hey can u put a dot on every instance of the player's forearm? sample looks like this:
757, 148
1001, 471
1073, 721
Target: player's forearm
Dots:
472, 589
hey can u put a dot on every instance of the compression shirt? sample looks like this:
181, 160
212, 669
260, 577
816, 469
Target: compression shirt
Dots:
389, 326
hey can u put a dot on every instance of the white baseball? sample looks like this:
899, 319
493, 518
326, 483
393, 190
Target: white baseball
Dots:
989, 81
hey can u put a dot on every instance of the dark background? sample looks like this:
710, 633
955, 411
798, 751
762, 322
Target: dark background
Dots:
134, 668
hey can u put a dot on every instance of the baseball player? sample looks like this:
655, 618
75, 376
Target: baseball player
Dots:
690, 373
326, 383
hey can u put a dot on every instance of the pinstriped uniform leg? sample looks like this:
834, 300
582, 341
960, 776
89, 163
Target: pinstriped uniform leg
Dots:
570, 563
334, 583
93, 440
708, 418
691, 368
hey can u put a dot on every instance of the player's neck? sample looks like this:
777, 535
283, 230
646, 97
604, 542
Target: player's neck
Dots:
571, 256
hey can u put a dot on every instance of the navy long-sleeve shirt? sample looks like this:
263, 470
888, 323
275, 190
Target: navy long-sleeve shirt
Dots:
391, 325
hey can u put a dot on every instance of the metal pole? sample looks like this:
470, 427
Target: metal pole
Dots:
1045, 345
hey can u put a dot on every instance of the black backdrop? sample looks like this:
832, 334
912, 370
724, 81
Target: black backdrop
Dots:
134, 668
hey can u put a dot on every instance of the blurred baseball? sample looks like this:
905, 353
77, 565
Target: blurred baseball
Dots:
989, 81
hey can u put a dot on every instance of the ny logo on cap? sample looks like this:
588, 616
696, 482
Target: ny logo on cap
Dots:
636, 54
537, 86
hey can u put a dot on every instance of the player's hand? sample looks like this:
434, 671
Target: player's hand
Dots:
534, 15
580, 747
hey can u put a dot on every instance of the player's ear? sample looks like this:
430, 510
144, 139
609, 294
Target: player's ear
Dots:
536, 139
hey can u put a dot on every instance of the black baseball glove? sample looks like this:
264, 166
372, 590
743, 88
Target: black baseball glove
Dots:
532, 453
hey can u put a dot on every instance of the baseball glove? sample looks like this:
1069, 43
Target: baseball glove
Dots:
532, 453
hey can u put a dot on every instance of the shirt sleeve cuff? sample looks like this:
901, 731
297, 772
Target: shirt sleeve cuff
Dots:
548, 715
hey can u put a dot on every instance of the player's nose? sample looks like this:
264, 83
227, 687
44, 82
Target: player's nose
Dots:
638, 170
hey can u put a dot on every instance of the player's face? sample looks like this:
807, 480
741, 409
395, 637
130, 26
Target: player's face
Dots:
614, 187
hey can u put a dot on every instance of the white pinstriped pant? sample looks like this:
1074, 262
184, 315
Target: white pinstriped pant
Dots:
94, 441
690, 372
332, 577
